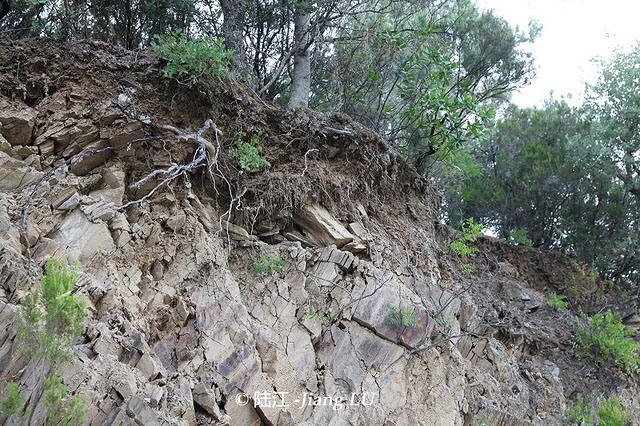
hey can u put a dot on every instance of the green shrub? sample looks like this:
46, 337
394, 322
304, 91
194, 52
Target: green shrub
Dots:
470, 233
579, 413
605, 338
13, 404
189, 61
50, 321
557, 301
519, 236
60, 411
248, 153
613, 413
269, 265
405, 316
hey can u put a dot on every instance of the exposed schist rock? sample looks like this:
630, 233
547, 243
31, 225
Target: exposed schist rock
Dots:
125, 385
206, 398
183, 401
373, 312
91, 161
82, 237
113, 178
140, 411
343, 259
238, 233
5, 146
98, 210
16, 122
46, 248
148, 366
177, 220
64, 199
355, 247
16, 174
320, 225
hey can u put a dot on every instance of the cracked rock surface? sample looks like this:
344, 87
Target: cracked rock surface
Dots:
368, 319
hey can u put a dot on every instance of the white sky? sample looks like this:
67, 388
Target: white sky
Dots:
574, 32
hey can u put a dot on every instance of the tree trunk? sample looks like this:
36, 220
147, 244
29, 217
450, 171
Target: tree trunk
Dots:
235, 12
301, 77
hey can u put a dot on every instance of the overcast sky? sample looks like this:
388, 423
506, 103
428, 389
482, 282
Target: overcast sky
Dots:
574, 32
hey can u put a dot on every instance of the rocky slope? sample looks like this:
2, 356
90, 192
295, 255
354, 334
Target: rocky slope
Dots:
182, 331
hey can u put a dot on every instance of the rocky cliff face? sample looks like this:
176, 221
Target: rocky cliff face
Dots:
97, 163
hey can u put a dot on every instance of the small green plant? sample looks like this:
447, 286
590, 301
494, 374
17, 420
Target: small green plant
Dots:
60, 411
325, 316
605, 338
269, 265
468, 268
519, 236
248, 153
579, 413
470, 233
14, 402
189, 61
613, 413
557, 301
50, 321
442, 321
405, 316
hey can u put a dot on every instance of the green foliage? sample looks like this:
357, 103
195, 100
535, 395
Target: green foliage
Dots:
269, 265
61, 410
579, 413
519, 236
613, 413
49, 324
470, 233
605, 339
14, 403
557, 301
189, 61
248, 153
325, 316
50, 321
405, 316
468, 268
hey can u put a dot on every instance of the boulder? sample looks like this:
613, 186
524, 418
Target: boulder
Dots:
321, 226
16, 122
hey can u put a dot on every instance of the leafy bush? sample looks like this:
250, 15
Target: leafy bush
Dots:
14, 402
271, 265
470, 233
557, 301
613, 413
604, 339
405, 316
519, 236
50, 322
579, 414
59, 412
189, 61
248, 153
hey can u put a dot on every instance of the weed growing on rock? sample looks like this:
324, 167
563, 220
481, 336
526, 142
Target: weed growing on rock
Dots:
405, 316
248, 153
557, 301
613, 413
470, 233
49, 324
269, 265
189, 61
579, 413
325, 316
13, 405
605, 338
50, 321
